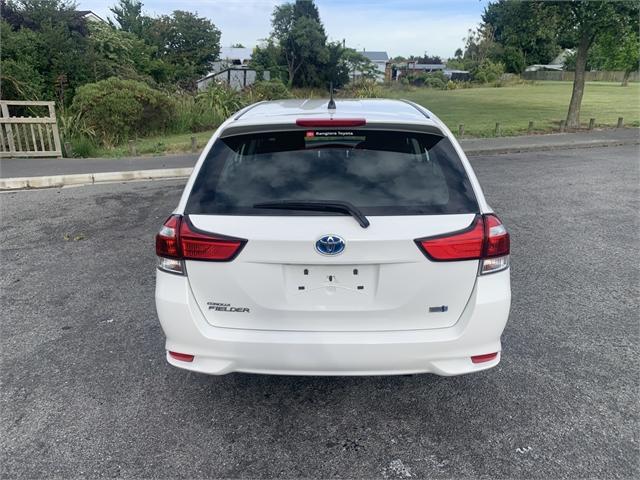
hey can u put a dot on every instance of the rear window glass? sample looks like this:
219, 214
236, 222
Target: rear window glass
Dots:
380, 172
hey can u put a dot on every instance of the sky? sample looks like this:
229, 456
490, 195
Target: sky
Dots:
399, 27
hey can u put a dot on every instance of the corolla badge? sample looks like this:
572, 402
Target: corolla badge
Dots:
330, 245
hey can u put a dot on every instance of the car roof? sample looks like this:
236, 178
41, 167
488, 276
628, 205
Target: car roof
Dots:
373, 110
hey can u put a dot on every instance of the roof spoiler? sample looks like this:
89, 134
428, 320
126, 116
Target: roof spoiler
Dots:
233, 130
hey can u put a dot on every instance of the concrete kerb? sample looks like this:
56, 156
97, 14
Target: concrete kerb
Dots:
56, 181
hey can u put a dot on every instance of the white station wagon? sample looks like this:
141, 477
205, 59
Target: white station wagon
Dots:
346, 238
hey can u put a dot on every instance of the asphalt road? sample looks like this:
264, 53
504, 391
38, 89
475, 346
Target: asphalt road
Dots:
86, 391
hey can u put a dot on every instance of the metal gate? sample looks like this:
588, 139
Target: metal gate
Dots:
28, 136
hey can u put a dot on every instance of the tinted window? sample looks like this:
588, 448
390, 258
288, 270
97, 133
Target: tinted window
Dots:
381, 172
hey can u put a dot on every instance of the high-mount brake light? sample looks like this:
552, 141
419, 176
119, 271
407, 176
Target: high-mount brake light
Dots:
486, 239
178, 240
330, 122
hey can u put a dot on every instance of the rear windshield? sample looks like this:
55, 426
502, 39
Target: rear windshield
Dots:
380, 172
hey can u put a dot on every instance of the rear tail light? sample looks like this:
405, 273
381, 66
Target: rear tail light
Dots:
179, 240
486, 239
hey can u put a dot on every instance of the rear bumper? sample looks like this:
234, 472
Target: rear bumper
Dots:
445, 351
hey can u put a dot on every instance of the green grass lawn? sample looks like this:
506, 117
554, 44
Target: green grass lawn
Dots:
544, 103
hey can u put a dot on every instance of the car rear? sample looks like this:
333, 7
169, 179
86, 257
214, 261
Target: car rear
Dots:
326, 243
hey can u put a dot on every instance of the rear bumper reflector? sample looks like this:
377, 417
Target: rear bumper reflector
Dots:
487, 357
183, 357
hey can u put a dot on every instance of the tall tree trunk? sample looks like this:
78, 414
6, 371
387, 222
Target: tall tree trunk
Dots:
625, 79
290, 71
573, 115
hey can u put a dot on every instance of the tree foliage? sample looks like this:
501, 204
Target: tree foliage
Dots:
582, 23
49, 50
525, 33
534, 32
297, 51
299, 33
129, 17
187, 43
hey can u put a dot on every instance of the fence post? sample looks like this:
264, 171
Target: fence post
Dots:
592, 123
9, 130
194, 145
132, 148
461, 130
498, 129
67, 149
530, 127
562, 124
54, 128
620, 122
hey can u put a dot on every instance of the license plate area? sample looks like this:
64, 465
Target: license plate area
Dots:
323, 286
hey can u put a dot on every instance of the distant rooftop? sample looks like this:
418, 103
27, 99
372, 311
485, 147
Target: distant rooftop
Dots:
233, 53
376, 56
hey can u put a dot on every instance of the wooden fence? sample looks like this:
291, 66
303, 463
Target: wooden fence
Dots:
602, 76
28, 136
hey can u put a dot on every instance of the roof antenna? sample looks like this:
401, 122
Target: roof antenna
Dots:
332, 103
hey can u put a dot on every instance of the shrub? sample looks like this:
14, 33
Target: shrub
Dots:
82, 146
361, 89
269, 90
435, 82
73, 125
431, 80
118, 109
508, 79
487, 71
194, 116
221, 98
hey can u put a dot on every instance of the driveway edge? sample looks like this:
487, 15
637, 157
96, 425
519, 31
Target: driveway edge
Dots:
57, 181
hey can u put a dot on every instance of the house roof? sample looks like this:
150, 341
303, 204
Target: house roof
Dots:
428, 66
376, 56
88, 14
233, 53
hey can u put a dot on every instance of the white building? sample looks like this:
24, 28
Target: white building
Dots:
232, 68
379, 59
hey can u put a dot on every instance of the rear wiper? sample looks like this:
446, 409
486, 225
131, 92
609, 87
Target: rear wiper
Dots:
319, 206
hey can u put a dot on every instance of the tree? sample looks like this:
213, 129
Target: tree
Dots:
612, 53
128, 14
426, 59
336, 69
47, 37
359, 65
118, 53
188, 43
20, 65
301, 37
266, 58
526, 32
580, 24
